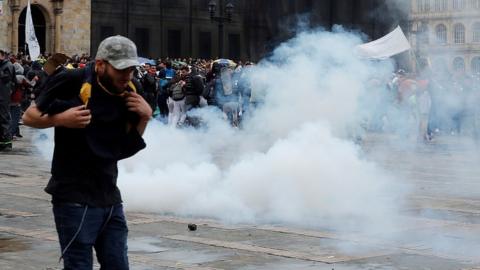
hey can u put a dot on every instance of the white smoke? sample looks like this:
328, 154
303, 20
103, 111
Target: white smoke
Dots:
292, 162
43, 140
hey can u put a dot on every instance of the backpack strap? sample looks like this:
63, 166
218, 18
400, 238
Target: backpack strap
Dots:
132, 86
86, 89
85, 92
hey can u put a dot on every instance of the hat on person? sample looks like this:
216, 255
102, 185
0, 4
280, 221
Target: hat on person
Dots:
119, 51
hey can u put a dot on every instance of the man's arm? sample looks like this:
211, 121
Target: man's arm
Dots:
76, 117
137, 104
142, 125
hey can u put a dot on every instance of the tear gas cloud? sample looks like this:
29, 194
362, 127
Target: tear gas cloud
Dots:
391, 12
293, 162
43, 141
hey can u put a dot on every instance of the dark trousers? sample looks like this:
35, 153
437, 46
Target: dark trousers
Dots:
81, 228
151, 99
16, 113
162, 104
5, 135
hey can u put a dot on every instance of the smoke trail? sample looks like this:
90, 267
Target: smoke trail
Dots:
293, 161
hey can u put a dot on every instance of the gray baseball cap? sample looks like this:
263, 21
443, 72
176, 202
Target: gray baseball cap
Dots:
119, 51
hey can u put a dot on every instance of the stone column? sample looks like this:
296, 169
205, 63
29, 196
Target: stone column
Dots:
15, 8
58, 10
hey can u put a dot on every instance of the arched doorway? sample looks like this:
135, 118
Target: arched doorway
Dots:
40, 26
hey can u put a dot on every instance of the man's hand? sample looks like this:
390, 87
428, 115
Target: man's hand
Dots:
76, 117
136, 103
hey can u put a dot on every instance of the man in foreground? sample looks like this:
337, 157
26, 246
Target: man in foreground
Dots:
99, 119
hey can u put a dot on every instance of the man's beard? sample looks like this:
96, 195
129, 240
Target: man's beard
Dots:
107, 82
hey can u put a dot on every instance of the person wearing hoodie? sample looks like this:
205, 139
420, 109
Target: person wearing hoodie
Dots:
7, 82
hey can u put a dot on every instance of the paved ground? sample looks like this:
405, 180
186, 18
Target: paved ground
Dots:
444, 215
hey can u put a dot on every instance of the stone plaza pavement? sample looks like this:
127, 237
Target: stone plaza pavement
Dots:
443, 213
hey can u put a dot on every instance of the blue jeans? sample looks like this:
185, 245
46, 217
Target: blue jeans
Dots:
81, 228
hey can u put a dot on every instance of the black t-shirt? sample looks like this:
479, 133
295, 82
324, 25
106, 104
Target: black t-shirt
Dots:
84, 165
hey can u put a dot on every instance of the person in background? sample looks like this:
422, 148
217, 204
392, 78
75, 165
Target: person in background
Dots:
7, 84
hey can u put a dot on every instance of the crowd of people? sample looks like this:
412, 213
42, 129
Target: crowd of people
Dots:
172, 87
426, 104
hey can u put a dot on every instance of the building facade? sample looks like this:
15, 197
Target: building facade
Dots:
173, 28
60, 26
181, 28
446, 33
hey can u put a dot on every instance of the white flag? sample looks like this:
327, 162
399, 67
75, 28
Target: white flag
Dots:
30, 37
385, 47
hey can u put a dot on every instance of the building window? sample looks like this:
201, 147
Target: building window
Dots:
205, 45
423, 5
441, 34
476, 65
476, 32
142, 40
174, 40
441, 5
459, 33
459, 4
424, 34
458, 64
106, 31
172, 4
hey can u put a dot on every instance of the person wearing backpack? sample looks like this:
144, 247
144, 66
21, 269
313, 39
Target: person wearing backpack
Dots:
99, 119
193, 87
227, 95
177, 107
